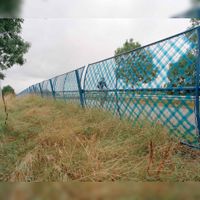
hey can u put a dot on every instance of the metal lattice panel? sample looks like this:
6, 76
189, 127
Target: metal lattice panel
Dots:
65, 86
46, 88
157, 83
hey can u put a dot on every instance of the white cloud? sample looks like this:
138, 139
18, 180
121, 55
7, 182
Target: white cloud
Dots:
62, 44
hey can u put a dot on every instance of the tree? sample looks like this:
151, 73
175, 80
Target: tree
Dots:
182, 72
134, 68
7, 90
12, 46
127, 46
194, 22
10, 8
2, 76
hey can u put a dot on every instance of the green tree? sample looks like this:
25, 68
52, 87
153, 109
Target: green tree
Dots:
7, 90
182, 72
12, 46
2, 76
10, 8
194, 22
135, 68
127, 46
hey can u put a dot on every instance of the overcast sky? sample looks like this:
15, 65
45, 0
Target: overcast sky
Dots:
67, 34
103, 8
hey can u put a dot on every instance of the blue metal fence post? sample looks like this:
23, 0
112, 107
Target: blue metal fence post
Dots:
34, 90
84, 80
40, 90
79, 88
64, 87
117, 98
197, 85
28, 90
31, 89
52, 90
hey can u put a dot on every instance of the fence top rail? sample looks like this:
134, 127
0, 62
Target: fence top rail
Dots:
142, 47
150, 44
54, 77
65, 73
62, 74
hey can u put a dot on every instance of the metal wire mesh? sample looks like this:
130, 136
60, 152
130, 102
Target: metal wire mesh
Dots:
158, 83
66, 86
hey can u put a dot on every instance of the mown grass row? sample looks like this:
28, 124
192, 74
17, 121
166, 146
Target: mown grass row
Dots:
54, 141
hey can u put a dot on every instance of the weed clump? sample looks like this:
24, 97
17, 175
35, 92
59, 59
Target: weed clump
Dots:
48, 140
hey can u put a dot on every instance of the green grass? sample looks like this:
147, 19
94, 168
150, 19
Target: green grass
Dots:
53, 141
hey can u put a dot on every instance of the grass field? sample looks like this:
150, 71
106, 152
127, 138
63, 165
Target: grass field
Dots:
46, 140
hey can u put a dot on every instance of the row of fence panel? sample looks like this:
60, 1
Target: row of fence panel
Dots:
157, 83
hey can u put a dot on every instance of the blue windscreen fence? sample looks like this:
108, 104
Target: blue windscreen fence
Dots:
158, 83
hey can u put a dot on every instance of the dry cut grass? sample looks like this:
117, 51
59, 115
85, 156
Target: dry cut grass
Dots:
53, 141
